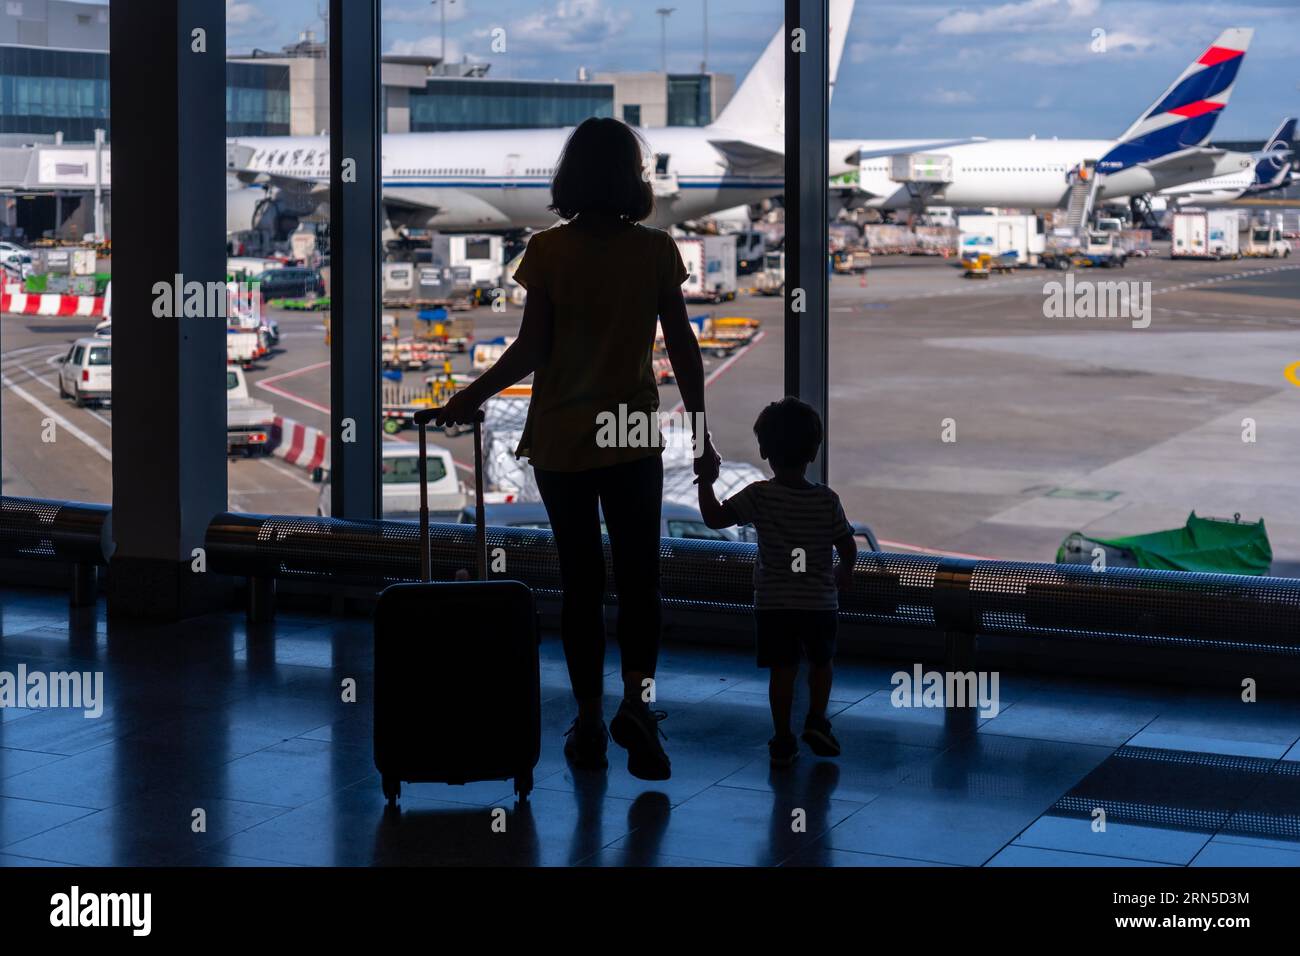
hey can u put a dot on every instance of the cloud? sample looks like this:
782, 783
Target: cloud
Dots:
570, 26
424, 11
246, 19
427, 46
1015, 17
943, 97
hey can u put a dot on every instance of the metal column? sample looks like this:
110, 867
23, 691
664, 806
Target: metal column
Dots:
169, 406
356, 226
807, 130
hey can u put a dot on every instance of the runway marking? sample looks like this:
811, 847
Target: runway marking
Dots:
48, 412
285, 393
717, 372
274, 465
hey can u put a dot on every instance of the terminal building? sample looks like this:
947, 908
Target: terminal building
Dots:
54, 95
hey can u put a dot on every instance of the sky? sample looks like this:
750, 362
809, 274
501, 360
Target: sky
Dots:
912, 68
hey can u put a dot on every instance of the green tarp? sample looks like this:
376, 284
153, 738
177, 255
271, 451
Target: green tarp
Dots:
1204, 544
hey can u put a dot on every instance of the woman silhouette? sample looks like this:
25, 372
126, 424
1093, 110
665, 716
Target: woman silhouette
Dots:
596, 285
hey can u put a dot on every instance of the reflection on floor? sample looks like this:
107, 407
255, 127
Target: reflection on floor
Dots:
217, 747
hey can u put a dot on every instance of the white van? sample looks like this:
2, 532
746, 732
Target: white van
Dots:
400, 480
86, 372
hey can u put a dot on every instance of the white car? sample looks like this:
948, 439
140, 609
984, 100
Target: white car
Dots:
400, 479
86, 372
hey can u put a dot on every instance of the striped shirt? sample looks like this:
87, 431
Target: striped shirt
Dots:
797, 528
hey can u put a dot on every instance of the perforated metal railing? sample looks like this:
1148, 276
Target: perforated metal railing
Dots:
899, 590
926, 592
55, 530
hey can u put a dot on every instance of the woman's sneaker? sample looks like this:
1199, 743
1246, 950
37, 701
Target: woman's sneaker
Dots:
817, 734
584, 745
636, 729
783, 750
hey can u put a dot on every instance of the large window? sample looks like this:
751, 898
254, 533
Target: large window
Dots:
467, 104
688, 101
257, 99
997, 384
53, 91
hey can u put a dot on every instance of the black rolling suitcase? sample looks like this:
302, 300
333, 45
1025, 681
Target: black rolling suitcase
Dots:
457, 690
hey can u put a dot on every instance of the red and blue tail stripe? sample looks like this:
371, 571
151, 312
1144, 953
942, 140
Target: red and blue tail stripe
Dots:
1185, 115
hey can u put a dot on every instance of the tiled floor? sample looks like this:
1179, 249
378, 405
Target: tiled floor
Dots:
221, 748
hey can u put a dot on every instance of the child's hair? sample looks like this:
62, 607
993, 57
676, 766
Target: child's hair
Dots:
789, 432
602, 171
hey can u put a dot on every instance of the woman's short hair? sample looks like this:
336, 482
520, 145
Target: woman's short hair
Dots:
602, 171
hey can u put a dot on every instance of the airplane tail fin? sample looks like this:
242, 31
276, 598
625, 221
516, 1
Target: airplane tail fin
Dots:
758, 104
1273, 167
1185, 114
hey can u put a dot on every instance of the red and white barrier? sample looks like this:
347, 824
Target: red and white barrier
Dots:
16, 302
308, 448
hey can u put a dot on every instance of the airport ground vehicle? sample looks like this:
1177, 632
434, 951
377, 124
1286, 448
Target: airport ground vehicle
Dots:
435, 326
1020, 237
718, 337
487, 351
771, 281
400, 481
1264, 239
86, 372
851, 261
1206, 234
750, 247
1091, 249
244, 346
399, 402
711, 264
981, 265
248, 419
291, 281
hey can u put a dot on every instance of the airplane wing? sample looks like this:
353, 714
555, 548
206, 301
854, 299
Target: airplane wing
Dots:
426, 207
749, 156
1186, 160
858, 155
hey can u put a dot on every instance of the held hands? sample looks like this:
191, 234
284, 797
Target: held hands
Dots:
708, 463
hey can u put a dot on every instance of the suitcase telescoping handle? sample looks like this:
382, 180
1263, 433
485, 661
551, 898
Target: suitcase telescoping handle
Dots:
422, 419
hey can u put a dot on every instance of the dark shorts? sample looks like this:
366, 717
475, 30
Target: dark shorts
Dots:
783, 632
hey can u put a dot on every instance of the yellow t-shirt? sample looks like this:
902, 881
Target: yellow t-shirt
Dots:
605, 281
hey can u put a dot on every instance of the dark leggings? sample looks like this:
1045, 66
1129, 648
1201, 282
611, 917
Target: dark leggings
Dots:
630, 495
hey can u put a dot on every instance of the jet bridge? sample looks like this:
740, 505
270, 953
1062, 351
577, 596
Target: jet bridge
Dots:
924, 175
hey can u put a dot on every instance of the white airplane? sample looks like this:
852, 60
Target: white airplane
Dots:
497, 180
1272, 170
1163, 148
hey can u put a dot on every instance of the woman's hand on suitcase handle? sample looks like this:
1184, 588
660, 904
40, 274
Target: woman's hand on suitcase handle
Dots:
461, 409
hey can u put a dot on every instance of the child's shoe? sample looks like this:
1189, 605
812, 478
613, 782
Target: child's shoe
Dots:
817, 734
783, 749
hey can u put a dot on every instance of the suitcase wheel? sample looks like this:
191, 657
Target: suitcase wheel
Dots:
392, 790
524, 784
